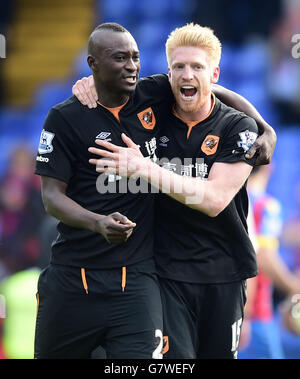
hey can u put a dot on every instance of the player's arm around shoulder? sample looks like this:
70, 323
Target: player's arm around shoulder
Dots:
85, 91
157, 85
264, 145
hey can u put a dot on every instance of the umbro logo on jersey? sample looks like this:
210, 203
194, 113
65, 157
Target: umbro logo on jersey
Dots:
164, 141
103, 136
42, 159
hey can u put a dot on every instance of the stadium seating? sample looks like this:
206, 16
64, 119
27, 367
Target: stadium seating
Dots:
44, 39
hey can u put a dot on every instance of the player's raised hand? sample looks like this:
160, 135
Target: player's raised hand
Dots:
85, 91
116, 228
128, 141
125, 161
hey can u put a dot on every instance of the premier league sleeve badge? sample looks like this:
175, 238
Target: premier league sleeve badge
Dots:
45, 145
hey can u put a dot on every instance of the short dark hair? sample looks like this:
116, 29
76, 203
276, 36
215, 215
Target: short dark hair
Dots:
113, 26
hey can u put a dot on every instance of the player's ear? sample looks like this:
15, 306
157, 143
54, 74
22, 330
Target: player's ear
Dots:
92, 63
215, 75
169, 73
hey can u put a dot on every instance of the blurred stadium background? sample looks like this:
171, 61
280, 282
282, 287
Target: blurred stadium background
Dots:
45, 55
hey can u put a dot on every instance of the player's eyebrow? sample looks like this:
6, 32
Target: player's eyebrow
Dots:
114, 52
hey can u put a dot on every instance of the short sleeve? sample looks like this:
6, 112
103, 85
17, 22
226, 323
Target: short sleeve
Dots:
56, 151
238, 141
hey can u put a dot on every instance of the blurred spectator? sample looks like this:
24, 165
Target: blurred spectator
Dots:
2, 353
284, 77
22, 165
21, 213
21, 217
264, 337
291, 235
19, 291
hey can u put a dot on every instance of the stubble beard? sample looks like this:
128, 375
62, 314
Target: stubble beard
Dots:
193, 106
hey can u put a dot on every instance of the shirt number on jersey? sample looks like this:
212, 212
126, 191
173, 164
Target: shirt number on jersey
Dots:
157, 353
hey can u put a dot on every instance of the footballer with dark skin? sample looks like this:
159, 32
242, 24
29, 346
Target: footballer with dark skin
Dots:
101, 286
114, 59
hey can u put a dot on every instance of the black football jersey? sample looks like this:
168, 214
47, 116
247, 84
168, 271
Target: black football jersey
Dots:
189, 245
69, 130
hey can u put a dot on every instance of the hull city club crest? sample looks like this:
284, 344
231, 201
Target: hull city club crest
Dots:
147, 118
210, 144
45, 145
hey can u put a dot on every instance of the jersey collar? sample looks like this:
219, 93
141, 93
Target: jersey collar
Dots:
191, 124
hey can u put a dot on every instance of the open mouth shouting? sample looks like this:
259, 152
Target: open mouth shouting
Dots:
188, 92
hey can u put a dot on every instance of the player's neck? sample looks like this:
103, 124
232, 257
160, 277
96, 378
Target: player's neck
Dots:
200, 114
110, 99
